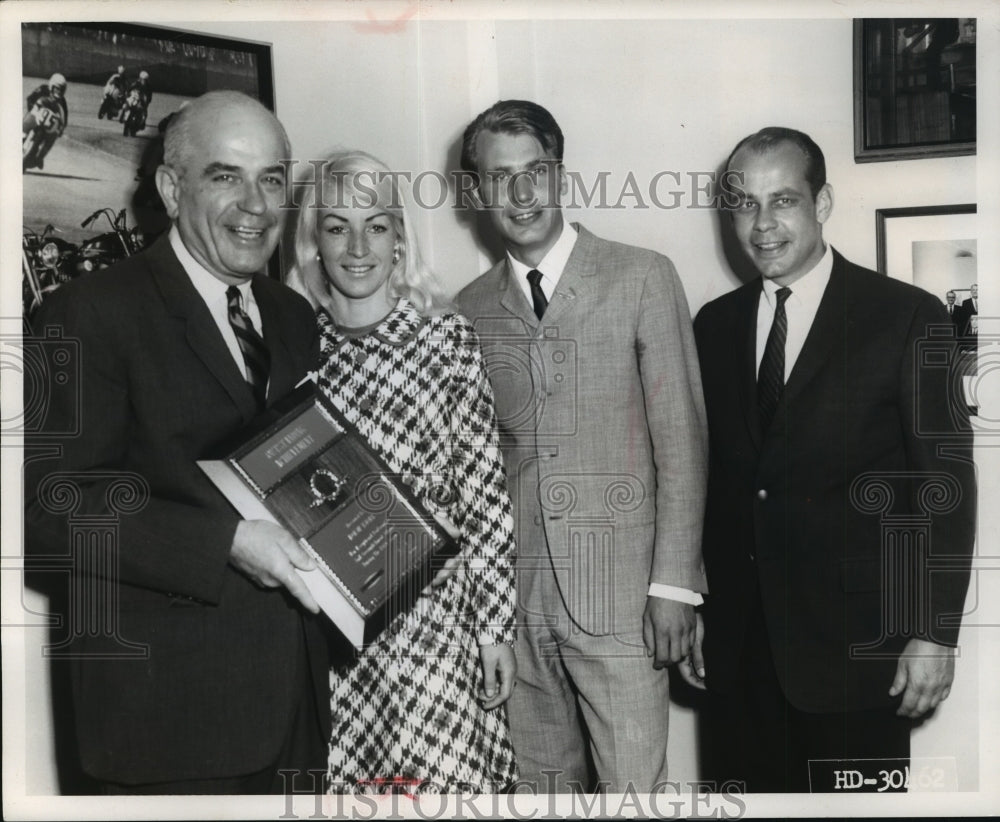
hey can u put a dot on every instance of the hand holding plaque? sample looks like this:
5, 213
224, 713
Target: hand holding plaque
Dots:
307, 469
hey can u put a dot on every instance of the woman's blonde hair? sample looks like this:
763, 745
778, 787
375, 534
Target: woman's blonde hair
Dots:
410, 277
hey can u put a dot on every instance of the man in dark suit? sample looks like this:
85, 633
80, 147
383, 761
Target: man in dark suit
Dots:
180, 347
954, 311
840, 471
590, 351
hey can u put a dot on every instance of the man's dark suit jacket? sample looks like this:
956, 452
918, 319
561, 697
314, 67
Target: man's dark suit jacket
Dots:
955, 316
159, 387
791, 506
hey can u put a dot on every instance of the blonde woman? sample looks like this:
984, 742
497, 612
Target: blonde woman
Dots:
420, 709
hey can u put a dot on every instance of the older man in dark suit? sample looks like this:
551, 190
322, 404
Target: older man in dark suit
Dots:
954, 311
840, 474
181, 346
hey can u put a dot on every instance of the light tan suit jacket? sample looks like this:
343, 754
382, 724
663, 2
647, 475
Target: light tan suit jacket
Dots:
602, 425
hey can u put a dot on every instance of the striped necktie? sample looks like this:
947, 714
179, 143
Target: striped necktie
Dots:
255, 353
771, 377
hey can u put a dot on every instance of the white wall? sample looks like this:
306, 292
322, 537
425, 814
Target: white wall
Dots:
639, 96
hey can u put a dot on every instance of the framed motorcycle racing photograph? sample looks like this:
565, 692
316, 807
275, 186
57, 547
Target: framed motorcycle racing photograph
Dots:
98, 98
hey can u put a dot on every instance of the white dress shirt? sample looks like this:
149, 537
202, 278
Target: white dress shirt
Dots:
551, 268
800, 309
213, 292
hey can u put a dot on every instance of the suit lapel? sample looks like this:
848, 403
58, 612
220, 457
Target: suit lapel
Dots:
574, 283
282, 362
745, 341
512, 297
576, 280
827, 328
184, 302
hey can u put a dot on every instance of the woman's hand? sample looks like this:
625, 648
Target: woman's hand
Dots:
499, 670
453, 563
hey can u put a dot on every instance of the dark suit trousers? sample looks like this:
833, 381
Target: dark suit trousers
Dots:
304, 753
757, 737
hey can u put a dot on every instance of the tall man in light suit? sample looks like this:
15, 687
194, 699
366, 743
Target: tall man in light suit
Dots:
180, 347
840, 471
970, 326
591, 354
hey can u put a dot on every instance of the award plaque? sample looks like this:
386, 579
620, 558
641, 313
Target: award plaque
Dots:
307, 469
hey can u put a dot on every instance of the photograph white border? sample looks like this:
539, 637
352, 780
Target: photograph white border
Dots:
17, 805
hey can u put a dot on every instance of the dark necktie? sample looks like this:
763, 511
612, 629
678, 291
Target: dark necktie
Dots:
255, 353
771, 377
537, 295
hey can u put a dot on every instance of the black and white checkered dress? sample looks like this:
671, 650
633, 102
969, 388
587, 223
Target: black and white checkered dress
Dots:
405, 713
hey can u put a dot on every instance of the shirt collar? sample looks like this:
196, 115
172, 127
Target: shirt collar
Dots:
210, 287
554, 262
396, 328
807, 289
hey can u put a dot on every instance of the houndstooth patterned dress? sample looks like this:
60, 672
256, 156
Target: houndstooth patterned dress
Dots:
405, 712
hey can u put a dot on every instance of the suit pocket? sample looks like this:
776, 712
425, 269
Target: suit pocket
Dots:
861, 575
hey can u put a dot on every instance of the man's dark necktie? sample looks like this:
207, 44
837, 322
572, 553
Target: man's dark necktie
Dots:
537, 295
255, 353
771, 377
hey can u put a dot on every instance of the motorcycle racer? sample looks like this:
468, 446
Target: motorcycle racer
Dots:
114, 91
45, 120
137, 100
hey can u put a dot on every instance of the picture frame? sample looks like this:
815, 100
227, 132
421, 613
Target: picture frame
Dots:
914, 88
904, 235
934, 248
96, 164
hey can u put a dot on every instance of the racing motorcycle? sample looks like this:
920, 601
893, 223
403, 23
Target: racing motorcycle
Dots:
42, 127
133, 114
112, 102
47, 262
104, 249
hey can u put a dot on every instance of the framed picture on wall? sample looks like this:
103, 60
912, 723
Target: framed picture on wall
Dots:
122, 84
934, 248
914, 88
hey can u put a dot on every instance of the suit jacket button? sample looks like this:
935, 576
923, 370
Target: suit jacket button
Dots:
538, 520
762, 494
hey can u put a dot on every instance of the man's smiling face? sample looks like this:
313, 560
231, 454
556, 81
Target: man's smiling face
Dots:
778, 222
520, 185
227, 197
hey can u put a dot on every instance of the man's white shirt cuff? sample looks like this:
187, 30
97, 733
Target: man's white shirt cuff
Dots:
657, 589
